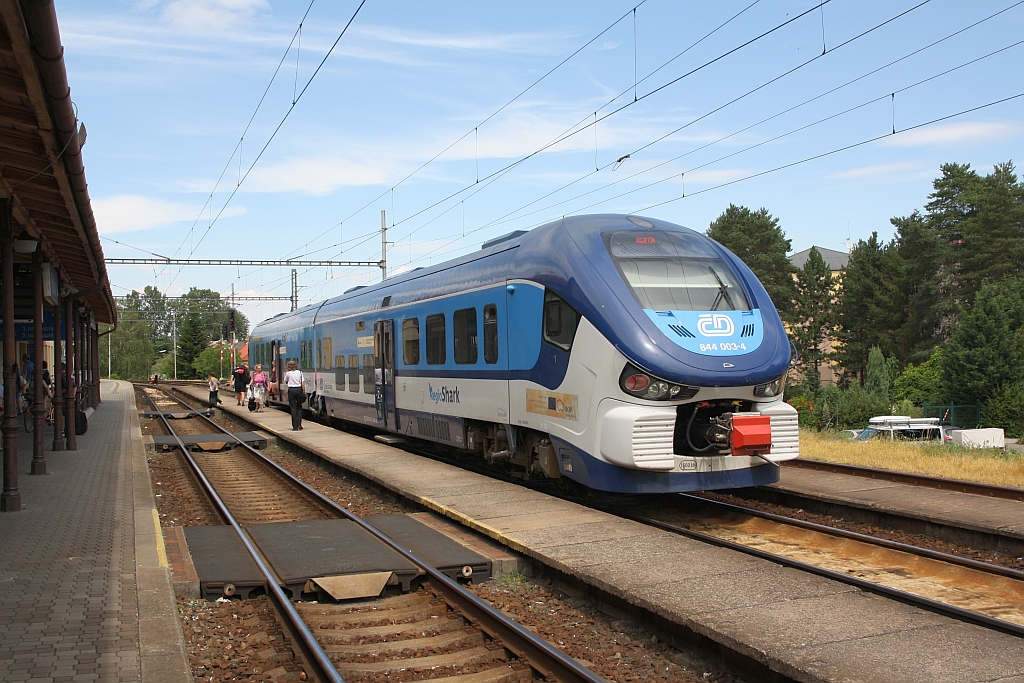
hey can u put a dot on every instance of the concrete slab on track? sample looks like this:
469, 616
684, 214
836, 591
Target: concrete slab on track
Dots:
803, 626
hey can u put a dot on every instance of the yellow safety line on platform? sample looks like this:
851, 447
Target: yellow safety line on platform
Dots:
161, 551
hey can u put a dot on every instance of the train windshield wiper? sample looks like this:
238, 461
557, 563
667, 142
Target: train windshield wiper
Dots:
723, 293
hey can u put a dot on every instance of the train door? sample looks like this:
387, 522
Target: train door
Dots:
275, 367
384, 374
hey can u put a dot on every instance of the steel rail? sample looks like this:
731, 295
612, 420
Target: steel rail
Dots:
967, 562
893, 593
543, 657
923, 480
318, 656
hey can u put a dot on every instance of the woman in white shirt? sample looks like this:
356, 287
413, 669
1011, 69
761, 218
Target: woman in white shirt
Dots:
293, 378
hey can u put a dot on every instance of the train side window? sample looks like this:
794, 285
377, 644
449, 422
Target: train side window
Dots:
328, 352
411, 341
560, 321
464, 330
368, 380
319, 353
353, 373
304, 355
339, 373
490, 334
435, 339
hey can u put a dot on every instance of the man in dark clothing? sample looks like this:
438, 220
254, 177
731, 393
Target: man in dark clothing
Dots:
240, 377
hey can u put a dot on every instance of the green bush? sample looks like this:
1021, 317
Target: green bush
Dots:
857, 405
907, 407
1006, 409
922, 383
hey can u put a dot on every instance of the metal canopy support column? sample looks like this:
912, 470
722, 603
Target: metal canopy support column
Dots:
83, 358
10, 499
58, 380
69, 373
39, 393
96, 373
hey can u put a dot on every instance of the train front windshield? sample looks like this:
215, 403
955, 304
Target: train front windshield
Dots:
675, 271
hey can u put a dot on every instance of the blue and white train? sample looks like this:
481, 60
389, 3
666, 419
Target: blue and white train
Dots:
625, 354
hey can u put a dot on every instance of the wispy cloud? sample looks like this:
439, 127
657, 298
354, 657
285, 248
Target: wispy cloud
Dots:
892, 171
478, 42
316, 176
212, 16
958, 133
131, 213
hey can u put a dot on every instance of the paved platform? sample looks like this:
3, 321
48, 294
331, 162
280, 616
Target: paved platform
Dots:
84, 559
966, 511
803, 626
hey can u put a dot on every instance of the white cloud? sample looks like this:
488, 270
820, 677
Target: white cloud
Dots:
500, 42
131, 213
316, 176
959, 133
208, 16
899, 169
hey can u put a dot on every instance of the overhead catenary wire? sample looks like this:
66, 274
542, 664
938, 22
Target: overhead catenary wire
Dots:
577, 129
506, 217
502, 172
252, 118
777, 168
476, 129
277, 129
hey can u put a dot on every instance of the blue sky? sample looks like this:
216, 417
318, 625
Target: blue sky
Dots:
167, 87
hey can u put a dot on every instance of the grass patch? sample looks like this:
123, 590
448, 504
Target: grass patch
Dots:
511, 582
986, 465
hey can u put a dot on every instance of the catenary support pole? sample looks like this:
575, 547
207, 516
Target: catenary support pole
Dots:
39, 397
10, 499
383, 246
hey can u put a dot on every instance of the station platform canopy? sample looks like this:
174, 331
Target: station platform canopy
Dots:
42, 174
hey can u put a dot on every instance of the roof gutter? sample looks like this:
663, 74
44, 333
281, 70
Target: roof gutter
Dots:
41, 22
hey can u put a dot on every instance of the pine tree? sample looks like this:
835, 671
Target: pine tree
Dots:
921, 254
877, 373
812, 312
756, 238
986, 351
871, 304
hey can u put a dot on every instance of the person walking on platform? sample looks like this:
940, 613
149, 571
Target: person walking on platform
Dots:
240, 378
259, 387
214, 391
295, 394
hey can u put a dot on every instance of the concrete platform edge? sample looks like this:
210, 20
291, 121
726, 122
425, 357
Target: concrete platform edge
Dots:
162, 652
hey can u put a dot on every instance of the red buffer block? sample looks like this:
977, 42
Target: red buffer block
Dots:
751, 434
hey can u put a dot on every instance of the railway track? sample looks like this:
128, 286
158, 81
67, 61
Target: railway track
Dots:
967, 590
964, 589
923, 480
440, 630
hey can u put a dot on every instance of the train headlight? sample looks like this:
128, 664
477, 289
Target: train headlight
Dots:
773, 388
637, 383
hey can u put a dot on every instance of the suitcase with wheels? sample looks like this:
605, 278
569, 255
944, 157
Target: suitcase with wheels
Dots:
81, 423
